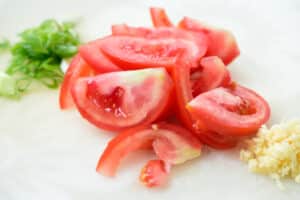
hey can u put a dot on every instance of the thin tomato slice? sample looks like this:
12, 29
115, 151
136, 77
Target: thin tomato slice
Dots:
134, 53
159, 17
181, 78
235, 111
78, 68
221, 42
119, 100
93, 55
171, 143
200, 39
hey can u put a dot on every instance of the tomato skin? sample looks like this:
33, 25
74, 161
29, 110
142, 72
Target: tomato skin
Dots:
136, 53
92, 54
159, 17
127, 100
135, 138
235, 111
77, 68
222, 43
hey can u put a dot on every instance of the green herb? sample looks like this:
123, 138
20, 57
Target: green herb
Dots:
38, 55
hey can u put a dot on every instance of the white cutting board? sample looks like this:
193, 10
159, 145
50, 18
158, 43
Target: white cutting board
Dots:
49, 154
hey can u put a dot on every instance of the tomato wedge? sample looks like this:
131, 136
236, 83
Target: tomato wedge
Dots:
119, 100
171, 143
200, 39
134, 53
221, 42
212, 74
159, 17
78, 68
235, 111
93, 55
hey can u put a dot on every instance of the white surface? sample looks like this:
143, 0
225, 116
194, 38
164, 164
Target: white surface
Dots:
49, 154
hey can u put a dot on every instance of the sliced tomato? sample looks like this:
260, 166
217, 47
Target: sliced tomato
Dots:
155, 173
133, 53
212, 74
93, 55
221, 42
159, 17
200, 39
171, 143
78, 68
235, 111
119, 100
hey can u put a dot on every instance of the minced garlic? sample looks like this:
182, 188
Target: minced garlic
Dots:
275, 152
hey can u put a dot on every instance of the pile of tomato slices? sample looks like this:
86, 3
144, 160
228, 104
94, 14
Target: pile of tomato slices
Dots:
165, 88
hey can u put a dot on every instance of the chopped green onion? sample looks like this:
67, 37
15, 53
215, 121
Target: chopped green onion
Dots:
39, 53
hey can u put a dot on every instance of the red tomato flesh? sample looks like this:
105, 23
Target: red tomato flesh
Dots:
119, 100
181, 78
78, 68
235, 111
172, 144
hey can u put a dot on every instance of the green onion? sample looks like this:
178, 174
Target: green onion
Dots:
38, 55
